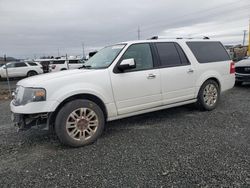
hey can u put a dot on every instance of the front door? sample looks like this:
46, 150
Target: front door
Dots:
138, 88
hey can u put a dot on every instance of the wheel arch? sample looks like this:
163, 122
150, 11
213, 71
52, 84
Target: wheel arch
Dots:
214, 78
32, 71
87, 96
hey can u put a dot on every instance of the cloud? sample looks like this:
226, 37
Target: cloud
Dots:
38, 28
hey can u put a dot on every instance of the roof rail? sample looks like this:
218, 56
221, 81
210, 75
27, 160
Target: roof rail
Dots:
157, 37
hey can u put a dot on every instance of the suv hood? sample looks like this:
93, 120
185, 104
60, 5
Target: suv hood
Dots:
48, 77
243, 63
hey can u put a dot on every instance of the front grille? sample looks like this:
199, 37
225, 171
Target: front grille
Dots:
242, 70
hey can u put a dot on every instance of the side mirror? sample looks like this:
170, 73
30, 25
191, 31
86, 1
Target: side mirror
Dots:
127, 64
4, 67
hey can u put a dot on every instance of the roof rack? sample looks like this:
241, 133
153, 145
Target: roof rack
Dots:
157, 37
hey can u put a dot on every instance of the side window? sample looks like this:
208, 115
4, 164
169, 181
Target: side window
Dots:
32, 64
141, 53
20, 65
168, 54
10, 65
210, 51
58, 62
73, 61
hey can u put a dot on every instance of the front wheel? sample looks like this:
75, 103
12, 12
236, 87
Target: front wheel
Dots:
79, 122
208, 96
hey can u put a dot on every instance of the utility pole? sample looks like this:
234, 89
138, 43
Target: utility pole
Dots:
67, 61
58, 53
139, 33
249, 38
83, 52
244, 36
7, 75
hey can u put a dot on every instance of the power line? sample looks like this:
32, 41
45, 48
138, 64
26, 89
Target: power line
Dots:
186, 17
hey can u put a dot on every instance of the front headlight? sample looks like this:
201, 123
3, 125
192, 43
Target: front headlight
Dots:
27, 95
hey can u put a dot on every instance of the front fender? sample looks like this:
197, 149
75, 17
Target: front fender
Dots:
74, 89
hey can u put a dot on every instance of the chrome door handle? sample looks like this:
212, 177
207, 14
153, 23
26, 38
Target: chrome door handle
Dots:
190, 71
151, 76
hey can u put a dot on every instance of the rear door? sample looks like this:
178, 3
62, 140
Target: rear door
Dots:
177, 73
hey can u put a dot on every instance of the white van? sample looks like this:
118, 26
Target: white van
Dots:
65, 64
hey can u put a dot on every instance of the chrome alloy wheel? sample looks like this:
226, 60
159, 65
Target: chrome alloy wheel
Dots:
210, 94
81, 124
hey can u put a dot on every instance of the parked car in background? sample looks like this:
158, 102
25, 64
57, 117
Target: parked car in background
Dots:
123, 80
242, 71
45, 64
65, 64
21, 69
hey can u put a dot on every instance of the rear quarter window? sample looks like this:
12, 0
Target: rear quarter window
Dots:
32, 64
207, 52
74, 61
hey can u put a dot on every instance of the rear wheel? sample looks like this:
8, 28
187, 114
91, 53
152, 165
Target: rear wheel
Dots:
79, 122
208, 96
31, 73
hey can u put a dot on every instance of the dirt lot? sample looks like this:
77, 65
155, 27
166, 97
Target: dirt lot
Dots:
180, 147
4, 88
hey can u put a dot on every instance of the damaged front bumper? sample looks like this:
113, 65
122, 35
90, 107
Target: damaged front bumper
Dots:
26, 121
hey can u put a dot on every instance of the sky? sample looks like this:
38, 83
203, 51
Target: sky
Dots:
34, 28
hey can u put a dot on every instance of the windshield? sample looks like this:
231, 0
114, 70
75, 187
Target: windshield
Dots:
104, 57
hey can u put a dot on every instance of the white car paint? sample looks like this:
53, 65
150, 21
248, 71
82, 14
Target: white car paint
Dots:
14, 71
66, 65
131, 93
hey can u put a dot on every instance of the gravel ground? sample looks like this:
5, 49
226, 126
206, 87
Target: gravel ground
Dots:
179, 147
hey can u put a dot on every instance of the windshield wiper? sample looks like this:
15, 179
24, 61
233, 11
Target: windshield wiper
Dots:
85, 67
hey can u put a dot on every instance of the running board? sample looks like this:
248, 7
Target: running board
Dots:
151, 110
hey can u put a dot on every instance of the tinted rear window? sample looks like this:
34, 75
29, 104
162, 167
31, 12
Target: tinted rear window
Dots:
168, 54
58, 62
206, 52
73, 61
20, 65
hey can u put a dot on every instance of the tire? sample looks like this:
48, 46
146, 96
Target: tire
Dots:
238, 83
31, 73
63, 69
85, 121
208, 96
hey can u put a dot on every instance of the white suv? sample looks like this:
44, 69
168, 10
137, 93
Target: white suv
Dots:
123, 80
21, 69
63, 64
